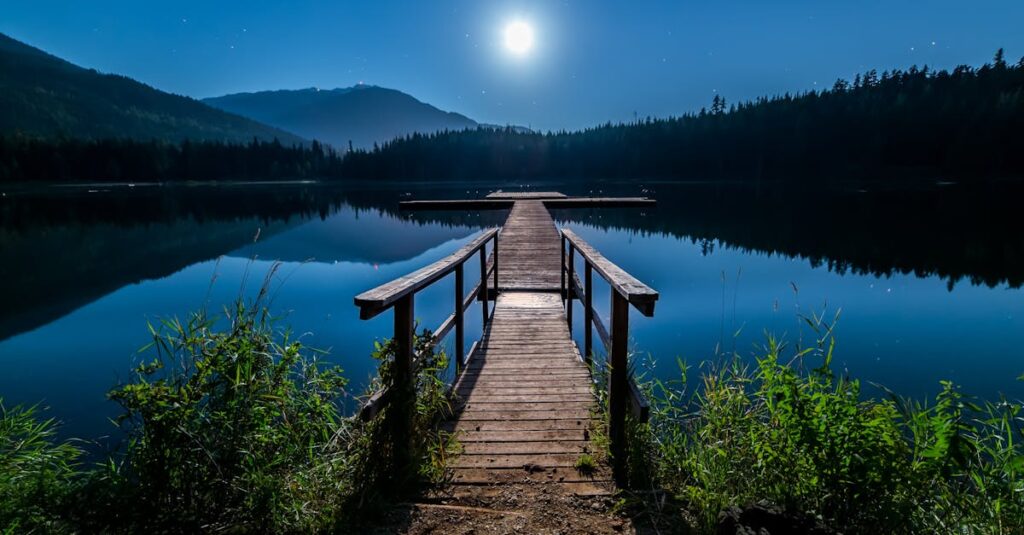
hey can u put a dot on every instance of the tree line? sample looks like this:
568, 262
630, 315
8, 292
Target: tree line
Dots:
28, 159
915, 123
904, 123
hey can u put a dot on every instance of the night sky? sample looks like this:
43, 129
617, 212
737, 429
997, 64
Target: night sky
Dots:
592, 61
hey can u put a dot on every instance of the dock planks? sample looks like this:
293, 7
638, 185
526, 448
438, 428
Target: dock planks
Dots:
526, 400
530, 250
520, 195
526, 396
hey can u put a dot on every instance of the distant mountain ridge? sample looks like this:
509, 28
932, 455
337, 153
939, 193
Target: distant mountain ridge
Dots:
362, 114
44, 96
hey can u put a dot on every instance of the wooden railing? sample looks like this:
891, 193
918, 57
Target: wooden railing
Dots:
400, 295
626, 290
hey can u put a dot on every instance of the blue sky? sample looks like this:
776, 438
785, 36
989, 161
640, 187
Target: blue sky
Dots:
593, 61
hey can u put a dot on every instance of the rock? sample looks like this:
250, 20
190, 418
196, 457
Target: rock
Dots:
766, 519
533, 468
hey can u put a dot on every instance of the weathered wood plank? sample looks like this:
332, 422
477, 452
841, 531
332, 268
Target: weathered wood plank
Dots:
554, 413
494, 475
585, 489
637, 293
526, 195
529, 255
375, 301
558, 405
527, 448
468, 436
542, 460
517, 425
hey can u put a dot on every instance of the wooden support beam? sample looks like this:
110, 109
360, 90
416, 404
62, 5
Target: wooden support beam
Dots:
495, 256
483, 283
570, 295
403, 399
588, 312
638, 294
460, 327
618, 385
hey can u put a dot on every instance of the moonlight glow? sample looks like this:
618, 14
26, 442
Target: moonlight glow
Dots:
518, 37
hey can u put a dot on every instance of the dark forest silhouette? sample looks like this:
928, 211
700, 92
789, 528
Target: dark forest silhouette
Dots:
918, 123
913, 123
27, 160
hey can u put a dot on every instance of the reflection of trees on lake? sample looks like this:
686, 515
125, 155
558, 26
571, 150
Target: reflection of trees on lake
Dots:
954, 232
63, 250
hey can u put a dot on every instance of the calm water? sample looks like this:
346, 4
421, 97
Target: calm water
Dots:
920, 301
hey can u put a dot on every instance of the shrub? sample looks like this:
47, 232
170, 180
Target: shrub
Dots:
810, 442
229, 427
37, 473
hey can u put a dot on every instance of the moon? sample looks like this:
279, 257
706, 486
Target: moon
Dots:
518, 37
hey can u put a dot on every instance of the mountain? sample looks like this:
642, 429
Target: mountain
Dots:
363, 114
44, 96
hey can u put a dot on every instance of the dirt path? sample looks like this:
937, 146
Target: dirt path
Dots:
519, 509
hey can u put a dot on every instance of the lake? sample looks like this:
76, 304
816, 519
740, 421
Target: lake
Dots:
927, 281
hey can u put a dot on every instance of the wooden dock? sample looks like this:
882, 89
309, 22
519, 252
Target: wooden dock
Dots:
524, 393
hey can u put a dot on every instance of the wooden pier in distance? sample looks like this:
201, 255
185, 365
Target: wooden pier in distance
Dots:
504, 200
524, 393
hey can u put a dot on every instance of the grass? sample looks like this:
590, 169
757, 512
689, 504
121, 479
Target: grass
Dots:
789, 431
586, 464
230, 425
37, 473
233, 426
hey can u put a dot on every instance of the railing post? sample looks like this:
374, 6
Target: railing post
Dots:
483, 282
588, 311
618, 385
495, 267
460, 333
561, 270
570, 290
403, 400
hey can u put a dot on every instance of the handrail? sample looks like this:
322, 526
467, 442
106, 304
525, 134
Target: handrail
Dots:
399, 294
379, 299
623, 393
640, 295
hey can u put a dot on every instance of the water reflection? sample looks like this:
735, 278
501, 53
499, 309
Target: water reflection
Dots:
83, 272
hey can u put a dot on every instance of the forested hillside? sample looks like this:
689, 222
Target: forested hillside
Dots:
967, 123
964, 124
42, 96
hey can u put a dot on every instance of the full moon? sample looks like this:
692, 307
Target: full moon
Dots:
518, 37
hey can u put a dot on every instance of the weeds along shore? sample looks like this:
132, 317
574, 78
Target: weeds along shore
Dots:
232, 425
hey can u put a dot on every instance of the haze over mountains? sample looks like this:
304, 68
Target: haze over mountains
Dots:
362, 114
44, 96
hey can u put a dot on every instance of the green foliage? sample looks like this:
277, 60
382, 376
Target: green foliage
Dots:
37, 474
231, 427
585, 464
383, 467
808, 441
